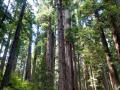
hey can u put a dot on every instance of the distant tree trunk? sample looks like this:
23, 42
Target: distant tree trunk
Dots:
112, 70
36, 51
75, 87
61, 48
54, 42
5, 54
79, 73
105, 79
85, 75
94, 80
13, 50
28, 64
1, 47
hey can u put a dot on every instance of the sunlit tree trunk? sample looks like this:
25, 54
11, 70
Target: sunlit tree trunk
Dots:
85, 75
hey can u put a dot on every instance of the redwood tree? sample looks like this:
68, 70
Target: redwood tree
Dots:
62, 85
13, 50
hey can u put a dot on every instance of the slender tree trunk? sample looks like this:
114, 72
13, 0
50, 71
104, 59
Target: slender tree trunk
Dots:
36, 51
13, 50
85, 75
54, 42
2, 44
5, 54
79, 73
94, 81
75, 87
28, 64
91, 75
61, 48
105, 79
112, 70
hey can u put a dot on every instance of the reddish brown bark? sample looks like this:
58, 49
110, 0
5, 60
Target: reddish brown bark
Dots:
75, 87
69, 66
61, 48
49, 57
70, 56
112, 70
114, 20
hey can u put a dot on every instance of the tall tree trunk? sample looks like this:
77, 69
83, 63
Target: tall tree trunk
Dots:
115, 28
49, 57
70, 56
115, 35
112, 70
61, 48
28, 64
15, 59
75, 87
69, 67
13, 50
36, 51
5, 54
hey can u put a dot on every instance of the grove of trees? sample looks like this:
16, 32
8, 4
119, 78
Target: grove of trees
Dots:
59, 45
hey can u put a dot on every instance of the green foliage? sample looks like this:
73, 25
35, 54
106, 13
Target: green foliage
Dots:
16, 83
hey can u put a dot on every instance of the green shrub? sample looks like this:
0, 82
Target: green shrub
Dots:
16, 83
